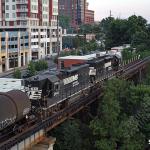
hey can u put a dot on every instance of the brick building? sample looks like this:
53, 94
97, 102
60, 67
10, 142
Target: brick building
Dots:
74, 9
89, 15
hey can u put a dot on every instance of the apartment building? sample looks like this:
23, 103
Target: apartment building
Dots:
74, 9
14, 49
89, 15
33, 22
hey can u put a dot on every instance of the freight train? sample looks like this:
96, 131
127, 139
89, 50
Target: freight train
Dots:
50, 91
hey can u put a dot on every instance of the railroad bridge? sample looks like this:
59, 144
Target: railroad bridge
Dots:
134, 68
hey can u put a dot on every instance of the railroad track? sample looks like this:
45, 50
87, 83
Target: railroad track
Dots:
50, 122
62, 115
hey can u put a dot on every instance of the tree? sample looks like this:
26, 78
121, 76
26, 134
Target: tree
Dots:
31, 69
68, 136
64, 21
41, 65
133, 30
17, 74
116, 126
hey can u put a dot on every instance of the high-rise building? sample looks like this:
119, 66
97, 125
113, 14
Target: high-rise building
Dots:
74, 9
28, 30
28, 12
89, 15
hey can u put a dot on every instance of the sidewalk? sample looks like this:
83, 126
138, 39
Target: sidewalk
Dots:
8, 73
11, 71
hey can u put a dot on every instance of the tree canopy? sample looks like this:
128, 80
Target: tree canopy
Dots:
123, 116
133, 30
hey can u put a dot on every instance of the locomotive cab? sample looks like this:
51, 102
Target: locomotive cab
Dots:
54, 83
116, 62
42, 87
108, 63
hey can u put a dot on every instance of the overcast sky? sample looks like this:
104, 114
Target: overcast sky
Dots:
120, 8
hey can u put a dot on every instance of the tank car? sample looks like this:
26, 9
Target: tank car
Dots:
14, 106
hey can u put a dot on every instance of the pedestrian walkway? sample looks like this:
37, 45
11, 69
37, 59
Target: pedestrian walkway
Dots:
11, 71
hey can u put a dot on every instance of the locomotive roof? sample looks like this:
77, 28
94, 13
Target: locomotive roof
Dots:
96, 61
8, 84
44, 76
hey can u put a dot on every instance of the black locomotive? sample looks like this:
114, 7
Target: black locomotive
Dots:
50, 91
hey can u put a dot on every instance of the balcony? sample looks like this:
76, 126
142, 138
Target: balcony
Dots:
22, 18
22, 10
22, 2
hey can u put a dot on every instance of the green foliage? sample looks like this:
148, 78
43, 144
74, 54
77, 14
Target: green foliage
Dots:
41, 65
86, 28
127, 54
33, 67
78, 41
133, 30
64, 21
118, 124
146, 81
144, 53
17, 74
68, 136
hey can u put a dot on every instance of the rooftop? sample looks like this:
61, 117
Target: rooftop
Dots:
8, 84
85, 57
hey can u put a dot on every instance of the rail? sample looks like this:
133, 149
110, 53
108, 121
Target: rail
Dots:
70, 110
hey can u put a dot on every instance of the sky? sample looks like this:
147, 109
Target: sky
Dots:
120, 8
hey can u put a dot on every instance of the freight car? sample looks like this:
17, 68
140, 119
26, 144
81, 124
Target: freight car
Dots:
14, 106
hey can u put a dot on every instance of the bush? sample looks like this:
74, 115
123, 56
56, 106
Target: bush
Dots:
31, 69
17, 74
36, 66
41, 65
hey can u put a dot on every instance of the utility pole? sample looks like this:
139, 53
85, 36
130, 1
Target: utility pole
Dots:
110, 14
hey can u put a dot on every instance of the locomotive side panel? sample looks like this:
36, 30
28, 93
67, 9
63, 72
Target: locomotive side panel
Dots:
75, 79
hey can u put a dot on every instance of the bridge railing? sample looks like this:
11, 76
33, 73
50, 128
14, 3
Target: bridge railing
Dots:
60, 116
128, 61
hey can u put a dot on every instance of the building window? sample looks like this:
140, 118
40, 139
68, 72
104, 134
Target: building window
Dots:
3, 47
7, 15
14, 15
13, 7
7, 7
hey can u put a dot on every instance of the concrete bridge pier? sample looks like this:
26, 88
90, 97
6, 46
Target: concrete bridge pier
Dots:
45, 144
138, 77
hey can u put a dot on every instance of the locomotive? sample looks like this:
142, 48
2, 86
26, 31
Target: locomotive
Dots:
50, 91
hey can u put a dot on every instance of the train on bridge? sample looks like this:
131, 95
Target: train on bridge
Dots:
50, 92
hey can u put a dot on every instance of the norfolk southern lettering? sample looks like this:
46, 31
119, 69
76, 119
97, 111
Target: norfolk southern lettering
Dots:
70, 79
